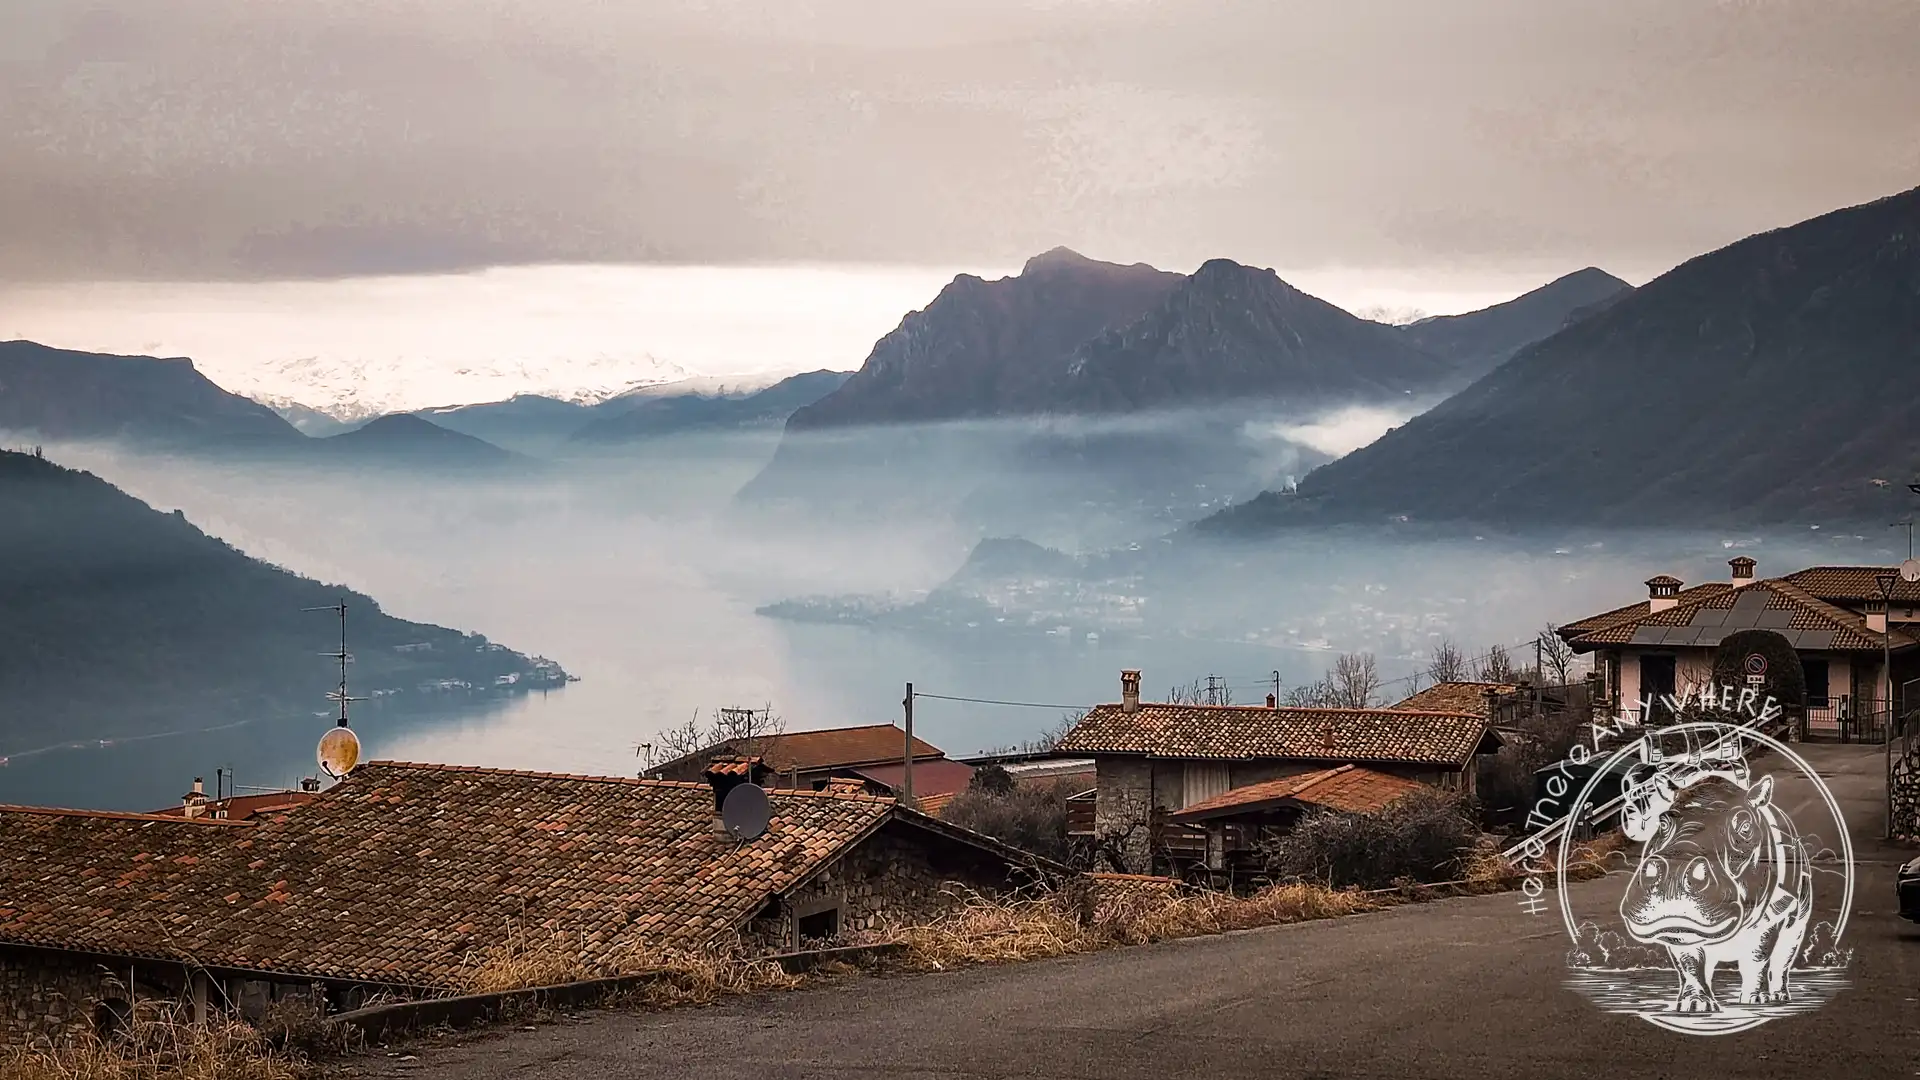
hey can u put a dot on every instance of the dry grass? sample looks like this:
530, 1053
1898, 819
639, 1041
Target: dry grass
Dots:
161, 1050
523, 961
1086, 917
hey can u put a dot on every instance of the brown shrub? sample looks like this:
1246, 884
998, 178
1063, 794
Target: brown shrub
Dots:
1031, 817
1426, 836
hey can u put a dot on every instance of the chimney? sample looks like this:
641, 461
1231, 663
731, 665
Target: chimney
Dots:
1876, 615
723, 774
1130, 691
194, 803
1272, 702
309, 783
1742, 570
1663, 592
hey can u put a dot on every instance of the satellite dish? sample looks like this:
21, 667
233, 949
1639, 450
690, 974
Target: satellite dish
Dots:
338, 752
744, 812
1910, 571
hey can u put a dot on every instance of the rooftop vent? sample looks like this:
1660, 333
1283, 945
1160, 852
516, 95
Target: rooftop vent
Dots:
1663, 592
1130, 691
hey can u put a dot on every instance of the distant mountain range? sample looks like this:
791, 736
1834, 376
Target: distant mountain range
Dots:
1774, 381
1070, 335
60, 394
666, 415
123, 621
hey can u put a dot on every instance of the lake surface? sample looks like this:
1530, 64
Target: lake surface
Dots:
640, 578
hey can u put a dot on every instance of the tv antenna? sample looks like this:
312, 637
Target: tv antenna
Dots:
339, 749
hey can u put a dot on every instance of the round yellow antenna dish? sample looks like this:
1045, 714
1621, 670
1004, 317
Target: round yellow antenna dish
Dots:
339, 752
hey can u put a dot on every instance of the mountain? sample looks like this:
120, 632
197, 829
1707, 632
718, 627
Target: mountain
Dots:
1479, 341
1232, 332
406, 438
984, 348
310, 422
523, 416
122, 620
662, 415
1776, 380
61, 394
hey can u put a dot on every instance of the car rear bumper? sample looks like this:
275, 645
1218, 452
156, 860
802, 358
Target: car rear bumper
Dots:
1908, 884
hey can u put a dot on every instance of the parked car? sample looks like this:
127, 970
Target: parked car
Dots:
1908, 884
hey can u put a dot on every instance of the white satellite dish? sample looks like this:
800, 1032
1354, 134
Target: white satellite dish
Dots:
744, 812
1910, 571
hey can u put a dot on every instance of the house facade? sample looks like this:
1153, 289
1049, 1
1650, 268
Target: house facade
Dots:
407, 878
1154, 760
1835, 617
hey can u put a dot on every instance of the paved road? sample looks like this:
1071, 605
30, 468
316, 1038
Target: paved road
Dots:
1465, 988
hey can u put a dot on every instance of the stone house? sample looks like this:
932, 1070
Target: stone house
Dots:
874, 754
1154, 760
1834, 616
408, 878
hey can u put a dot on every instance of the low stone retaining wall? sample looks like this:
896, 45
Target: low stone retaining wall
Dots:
467, 1010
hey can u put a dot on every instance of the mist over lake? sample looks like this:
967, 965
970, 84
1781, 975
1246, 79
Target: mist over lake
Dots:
641, 571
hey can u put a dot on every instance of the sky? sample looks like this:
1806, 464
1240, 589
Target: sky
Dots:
1413, 154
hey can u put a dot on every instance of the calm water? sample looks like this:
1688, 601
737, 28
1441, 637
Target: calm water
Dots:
637, 577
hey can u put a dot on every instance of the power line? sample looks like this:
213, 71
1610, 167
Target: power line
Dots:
990, 701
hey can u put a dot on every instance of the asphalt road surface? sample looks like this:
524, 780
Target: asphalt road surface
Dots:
1468, 988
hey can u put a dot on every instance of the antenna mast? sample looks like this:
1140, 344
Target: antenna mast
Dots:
340, 695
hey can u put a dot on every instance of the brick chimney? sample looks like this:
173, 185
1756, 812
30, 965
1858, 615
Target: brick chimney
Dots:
1742, 570
1272, 702
1130, 691
1663, 592
1876, 611
194, 803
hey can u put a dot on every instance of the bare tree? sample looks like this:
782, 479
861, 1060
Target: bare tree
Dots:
1355, 678
1496, 666
1187, 694
1449, 664
1556, 656
1318, 694
749, 732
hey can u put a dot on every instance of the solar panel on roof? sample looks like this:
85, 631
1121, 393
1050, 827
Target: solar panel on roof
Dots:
1814, 639
1775, 619
1750, 601
1708, 617
1712, 635
1683, 635
1649, 635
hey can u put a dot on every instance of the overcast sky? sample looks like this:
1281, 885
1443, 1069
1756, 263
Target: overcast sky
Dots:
204, 139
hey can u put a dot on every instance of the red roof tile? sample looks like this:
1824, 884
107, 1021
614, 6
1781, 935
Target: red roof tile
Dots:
376, 879
1348, 788
242, 807
832, 748
1854, 584
1457, 697
1237, 732
941, 776
1805, 611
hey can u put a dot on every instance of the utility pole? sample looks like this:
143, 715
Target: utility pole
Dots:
906, 772
1539, 676
1886, 583
1276, 688
1213, 690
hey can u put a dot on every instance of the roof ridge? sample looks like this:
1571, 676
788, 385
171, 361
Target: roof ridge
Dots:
630, 781
116, 815
1371, 710
1830, 611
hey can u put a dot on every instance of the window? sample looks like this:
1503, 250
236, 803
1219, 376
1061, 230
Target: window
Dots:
1816, 675
819, 926
1656, 681
1202, 780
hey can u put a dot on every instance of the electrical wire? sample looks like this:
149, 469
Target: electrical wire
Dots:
990, 701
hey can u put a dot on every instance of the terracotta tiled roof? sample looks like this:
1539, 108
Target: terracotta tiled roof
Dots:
242, 807
1457, 697
933, 804
736, 766
1637, 610
1237, 732
832, 748
398, 873
1853, 584
1772, 604
1349, 788
938, 777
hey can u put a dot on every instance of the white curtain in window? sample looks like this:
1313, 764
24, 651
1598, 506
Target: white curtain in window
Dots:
1202, 781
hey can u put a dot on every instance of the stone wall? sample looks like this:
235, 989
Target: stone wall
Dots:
51, 998
890, 879
1124, 807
